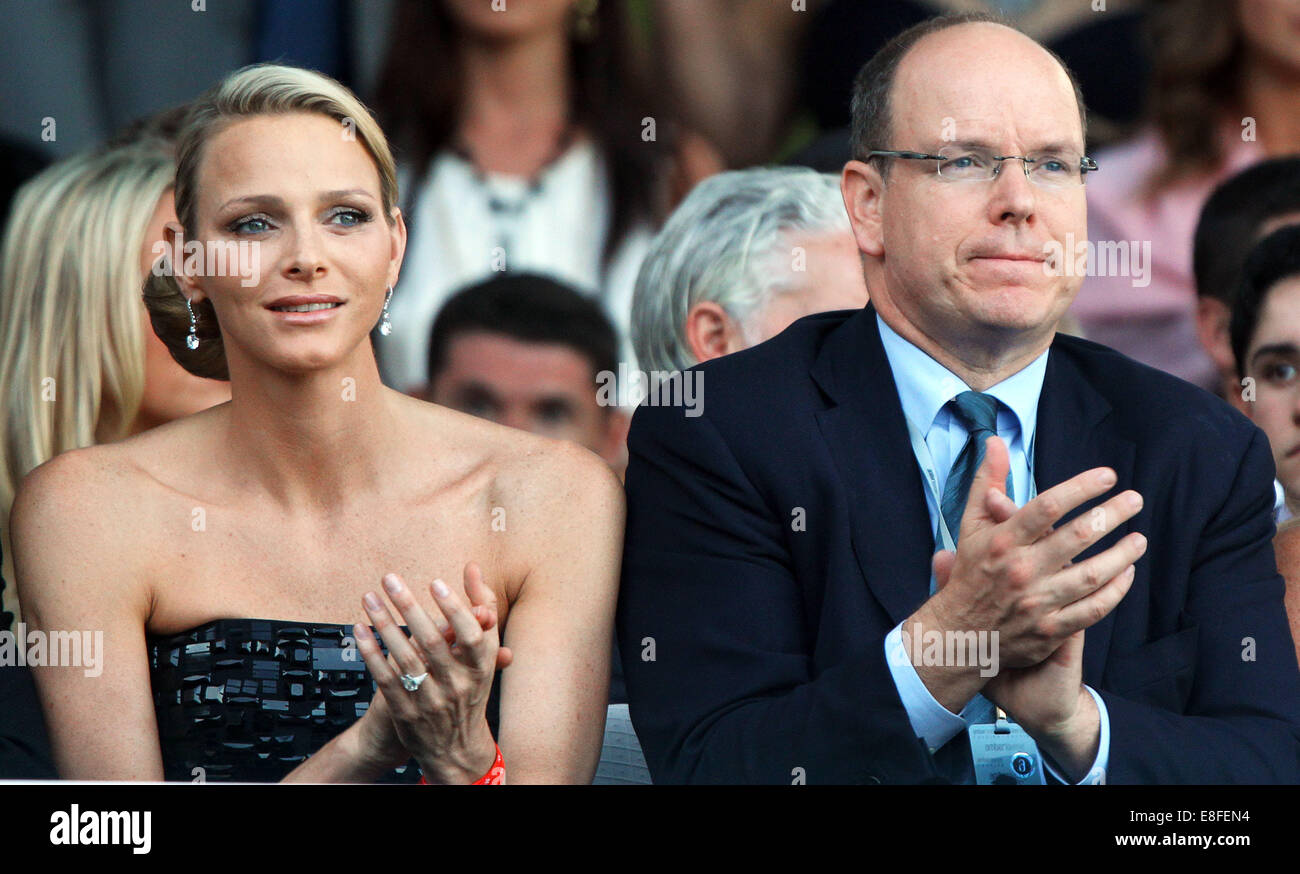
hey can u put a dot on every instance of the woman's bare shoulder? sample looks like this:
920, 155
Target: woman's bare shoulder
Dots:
80, 478
70, 482
73, 552
85, 523
526, 469
97, 495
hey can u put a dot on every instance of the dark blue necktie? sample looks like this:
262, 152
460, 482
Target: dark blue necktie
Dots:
979, 413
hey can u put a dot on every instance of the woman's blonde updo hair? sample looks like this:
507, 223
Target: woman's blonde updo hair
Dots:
260, 89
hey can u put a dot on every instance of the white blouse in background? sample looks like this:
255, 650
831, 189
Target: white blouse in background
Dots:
558, 229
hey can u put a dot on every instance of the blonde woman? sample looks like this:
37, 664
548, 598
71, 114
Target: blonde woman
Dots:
224, 555
79, 362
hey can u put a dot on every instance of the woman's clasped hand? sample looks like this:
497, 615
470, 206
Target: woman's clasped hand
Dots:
433, 686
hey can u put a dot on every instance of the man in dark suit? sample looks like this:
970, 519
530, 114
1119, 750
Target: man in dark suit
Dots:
789, 547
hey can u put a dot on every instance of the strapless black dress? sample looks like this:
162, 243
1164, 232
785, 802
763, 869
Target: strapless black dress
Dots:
248, 700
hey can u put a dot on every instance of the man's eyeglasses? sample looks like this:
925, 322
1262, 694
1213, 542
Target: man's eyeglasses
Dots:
965, 164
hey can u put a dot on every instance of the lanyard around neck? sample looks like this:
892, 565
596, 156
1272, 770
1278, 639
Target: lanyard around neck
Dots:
926, 462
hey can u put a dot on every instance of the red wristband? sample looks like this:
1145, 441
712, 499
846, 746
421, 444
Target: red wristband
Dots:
495, 776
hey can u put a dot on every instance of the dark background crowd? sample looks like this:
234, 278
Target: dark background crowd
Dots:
596, 184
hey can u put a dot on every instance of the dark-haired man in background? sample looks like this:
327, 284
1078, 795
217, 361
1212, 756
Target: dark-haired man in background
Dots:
526, 351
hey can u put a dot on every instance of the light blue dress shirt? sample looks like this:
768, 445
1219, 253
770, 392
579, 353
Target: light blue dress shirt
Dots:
925, 387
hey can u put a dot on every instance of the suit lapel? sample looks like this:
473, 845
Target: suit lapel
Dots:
1074, 435
866, 435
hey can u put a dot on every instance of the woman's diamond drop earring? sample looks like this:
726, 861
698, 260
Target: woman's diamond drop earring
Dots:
192, 341
386, 326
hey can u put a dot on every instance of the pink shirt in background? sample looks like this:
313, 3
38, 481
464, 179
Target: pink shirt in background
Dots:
1154, 323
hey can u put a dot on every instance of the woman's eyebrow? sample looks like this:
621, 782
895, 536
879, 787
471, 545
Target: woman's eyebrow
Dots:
270, 200
276, 202
345, 192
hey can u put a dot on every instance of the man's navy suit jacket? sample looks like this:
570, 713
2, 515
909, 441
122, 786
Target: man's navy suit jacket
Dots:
775, 539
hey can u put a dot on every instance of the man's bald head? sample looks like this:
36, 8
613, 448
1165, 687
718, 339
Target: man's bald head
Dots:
872, 119
955, 262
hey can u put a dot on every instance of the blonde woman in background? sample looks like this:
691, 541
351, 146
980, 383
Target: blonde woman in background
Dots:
79, 362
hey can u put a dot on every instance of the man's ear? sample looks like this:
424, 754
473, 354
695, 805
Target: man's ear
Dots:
710, 331
1212, 323
862, 189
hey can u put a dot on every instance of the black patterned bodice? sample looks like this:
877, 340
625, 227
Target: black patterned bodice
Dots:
248, 700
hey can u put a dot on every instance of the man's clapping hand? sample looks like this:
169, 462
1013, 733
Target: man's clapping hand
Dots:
1012, 574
